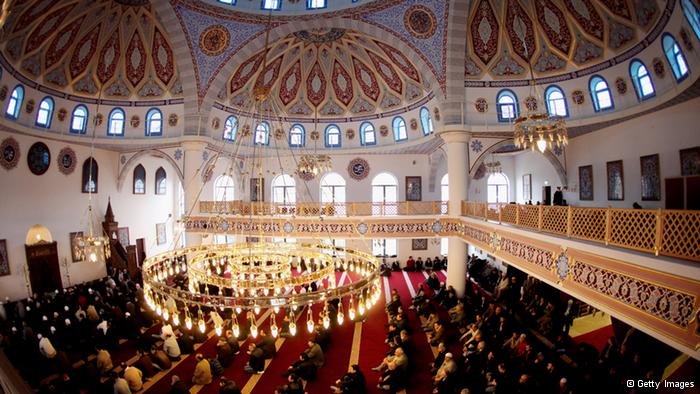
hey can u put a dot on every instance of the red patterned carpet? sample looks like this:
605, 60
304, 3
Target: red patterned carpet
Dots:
597, 338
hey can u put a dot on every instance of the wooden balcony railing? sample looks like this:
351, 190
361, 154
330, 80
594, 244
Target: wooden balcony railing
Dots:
400, 208
667, 232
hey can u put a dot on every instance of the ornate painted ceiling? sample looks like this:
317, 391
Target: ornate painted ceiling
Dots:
80, 46
554, 36
327, 72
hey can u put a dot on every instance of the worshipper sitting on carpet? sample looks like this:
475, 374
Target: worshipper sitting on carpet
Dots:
392, 379
439, 359
104, 361
224, 352
309, 361
160, 359
186, 343
259, 352
385, 268
399, 358
145, 364
396, 266
428, 263
171, 348
438, 334
419, 264
120, 385
133, 376
410, 264
216, 368
432, 281
228, 386
202, 371
429, 324
353, 382
177, 386
442, 380
293, 386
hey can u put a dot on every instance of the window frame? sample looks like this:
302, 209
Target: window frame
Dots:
309, 6
87, 164
266, 127
363, 137
221, 184
110, 119
426, 121
149, 120
592, 82
552, 89
694, 23
675, 67
136, 178
396, 125
85, 119
635, 66
326, 135
234, 128
516, 106
498, 186
288, 199
160, 178
17, 110
332, 191
264, 7
302, 135
49, 115
379, 207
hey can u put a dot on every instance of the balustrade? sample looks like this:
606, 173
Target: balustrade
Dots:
400, 208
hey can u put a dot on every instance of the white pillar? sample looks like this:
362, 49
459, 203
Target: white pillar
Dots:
458, 169
193, 182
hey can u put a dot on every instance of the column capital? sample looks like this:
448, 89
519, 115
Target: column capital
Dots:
455, 136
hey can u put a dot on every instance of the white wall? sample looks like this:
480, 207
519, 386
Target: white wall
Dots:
55, 201
664, 132
542, 172
477, 187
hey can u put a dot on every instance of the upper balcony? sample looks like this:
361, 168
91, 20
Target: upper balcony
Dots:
399, 208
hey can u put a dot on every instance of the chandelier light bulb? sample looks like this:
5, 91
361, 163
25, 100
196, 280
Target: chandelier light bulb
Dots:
236, 329
256, 310
166, 315
293, 328
351, 313
188, 322
274, 330
93, 257
202, 326
238, 310
254, 330
310, 326
341, 318
159, 310
276, 309
176, 319
541, 145
361, 308
326, 321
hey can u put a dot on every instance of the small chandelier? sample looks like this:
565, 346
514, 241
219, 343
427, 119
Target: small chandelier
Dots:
311, 165
494, 167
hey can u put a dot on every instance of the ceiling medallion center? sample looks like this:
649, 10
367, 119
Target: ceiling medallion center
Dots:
320, 35
420, 21
214, 40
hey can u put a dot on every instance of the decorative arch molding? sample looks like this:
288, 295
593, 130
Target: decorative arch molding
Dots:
456, 58
129, 165
436, 160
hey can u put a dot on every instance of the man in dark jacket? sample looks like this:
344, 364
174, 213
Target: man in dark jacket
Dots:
259, 352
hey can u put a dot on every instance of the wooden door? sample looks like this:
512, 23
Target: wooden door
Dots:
546, 195
140, 250
44, 271
675, 193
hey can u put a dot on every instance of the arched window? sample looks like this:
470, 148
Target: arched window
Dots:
692, 15
15, 104
399, 126
154, 122
445, 188
332, 136
507, 104
116, 122
224, 188
90, 172
675, 57
262, 134
161, 181
384, 247
384, 194
556, 103
297, 136
641, 80
367, 135
444, 246
426, 121
497, 188
271, 4
333, 192
284, 191
315, 4
139, 180
78, 123
45, 112
600, 92
230, 128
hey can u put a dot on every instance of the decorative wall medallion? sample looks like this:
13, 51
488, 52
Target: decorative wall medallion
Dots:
350, 134
30, 106
481, 105
687, 42
436, 111
420, 21
358, 169
279, 134
621, 85
214, 40
480, 172
437, 227
38, 158
414, 124
66, 161
288, 227
383, 130
562, 266
122, 160
362, 228
557, 150
10, 153
531, 103
577, 97
135, 121
245, 131
477, 146
3, 93
495, 241
172, 120
215, 122
659, 68
61, 115
178, 154
205, 155
314, 135
99, 118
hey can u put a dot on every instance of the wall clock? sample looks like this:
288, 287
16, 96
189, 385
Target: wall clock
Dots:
358, 169
9, 149
39, 158
66, 160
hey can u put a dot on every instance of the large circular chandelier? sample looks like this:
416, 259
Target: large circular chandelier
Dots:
313, 164
234, 278
540, 130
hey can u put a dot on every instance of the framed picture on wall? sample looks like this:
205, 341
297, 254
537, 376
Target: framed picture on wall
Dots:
527, 187
257, 189
585, 183
4, 262
690, 161
76, 253
123, 236
419, 244
413, 188
161, 237
616, 184
651, 180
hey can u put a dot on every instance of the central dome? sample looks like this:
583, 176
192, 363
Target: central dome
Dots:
327, 72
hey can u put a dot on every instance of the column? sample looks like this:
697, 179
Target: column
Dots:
458, 170
193, 183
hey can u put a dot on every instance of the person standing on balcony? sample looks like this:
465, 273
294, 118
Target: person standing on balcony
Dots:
558, 197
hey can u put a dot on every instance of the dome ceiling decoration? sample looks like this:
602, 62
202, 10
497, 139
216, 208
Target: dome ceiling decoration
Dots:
82, 46
554, 36
329, 72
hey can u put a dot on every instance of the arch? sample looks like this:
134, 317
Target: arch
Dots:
115, 125
692, 14
497, 188
133, 160
139, 180
368, 135
556, 101
601, 95
399, 126
426, 121
38, 234
90, 176
445, 187
45, 112
332, 136
262, 134
230, 128
297, 136
79, 120
154, 122
332, 189
284, 190
675, 57
436, 159
507, 105
161, 186
224, 188
14, 104
385, 194
641, 80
